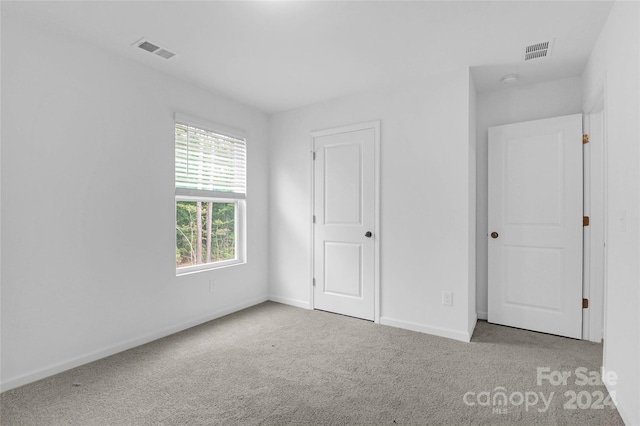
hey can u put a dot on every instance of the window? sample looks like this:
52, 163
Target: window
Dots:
214, 222
210, 173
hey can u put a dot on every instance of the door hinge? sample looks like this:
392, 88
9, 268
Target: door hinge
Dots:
585, 138
314, 218
585, 220
314, 154
585, 303
314, 282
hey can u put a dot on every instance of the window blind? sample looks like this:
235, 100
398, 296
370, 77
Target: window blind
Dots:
209, 161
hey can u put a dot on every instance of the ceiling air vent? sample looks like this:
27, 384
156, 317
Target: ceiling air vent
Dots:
154, 48
538, 50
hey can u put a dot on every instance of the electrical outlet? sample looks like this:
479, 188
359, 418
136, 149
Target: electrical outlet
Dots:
447, 298
211, 286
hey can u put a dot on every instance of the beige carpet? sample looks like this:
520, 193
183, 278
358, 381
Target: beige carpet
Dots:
274, 365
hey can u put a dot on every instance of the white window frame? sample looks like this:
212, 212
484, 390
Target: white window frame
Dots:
240, 201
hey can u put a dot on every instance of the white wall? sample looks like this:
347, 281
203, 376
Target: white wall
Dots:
88, 264
425, 199
614, 65
513, 105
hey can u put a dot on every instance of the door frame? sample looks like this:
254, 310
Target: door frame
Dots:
595, 250
375, 125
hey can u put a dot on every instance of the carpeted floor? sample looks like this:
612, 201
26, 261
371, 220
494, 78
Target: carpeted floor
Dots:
274, 364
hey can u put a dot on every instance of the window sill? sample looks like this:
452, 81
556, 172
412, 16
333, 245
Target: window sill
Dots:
188, 270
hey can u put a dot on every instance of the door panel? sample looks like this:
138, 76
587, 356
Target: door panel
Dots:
535, 207
343, 269
534, 166
538, 285
344, 209
342, 184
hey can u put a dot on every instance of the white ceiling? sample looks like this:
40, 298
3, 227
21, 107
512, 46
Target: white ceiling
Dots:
281, 55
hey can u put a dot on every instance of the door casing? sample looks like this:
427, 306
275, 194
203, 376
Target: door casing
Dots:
594, 286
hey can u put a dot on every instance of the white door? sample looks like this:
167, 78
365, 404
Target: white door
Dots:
535, 225
344, 228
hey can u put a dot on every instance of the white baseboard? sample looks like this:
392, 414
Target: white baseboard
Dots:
292, 302
436, 331
483, 315
129, 344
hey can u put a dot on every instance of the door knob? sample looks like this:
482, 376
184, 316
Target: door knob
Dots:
368, 234
494, 235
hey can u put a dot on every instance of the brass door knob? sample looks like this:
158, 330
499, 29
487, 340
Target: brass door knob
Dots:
494, 235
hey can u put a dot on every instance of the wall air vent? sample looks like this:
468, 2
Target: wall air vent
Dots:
154, 48
538, 50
